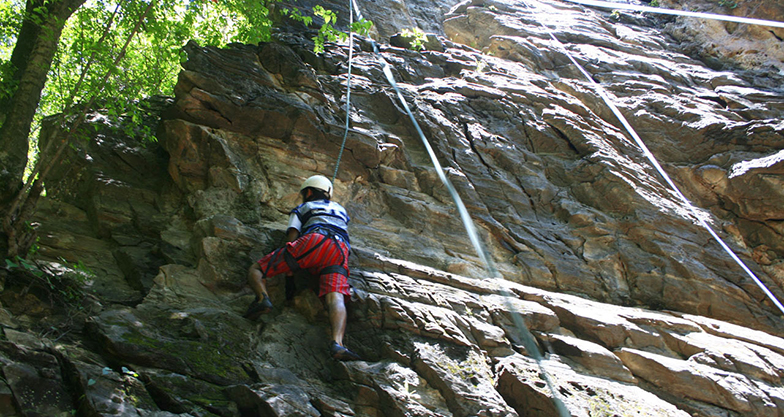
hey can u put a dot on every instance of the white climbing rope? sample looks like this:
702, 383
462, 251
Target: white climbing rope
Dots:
648, 154
465, 217
348, 90
674, 12
527, 338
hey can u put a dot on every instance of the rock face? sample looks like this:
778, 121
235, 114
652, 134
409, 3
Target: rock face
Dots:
631, 307
753, 47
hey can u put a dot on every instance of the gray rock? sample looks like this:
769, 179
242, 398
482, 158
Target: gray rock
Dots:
634, 308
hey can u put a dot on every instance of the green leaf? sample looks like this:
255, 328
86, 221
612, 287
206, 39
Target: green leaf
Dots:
25, 264
362, 27
152, 61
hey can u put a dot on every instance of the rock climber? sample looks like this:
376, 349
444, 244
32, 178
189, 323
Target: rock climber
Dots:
317, 241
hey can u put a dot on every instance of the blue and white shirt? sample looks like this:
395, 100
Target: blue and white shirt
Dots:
320, 214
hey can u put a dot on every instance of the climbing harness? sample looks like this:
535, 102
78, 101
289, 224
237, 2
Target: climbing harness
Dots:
293, 261
674, 12
648, 154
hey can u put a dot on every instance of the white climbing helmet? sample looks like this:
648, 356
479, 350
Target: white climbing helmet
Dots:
318, 182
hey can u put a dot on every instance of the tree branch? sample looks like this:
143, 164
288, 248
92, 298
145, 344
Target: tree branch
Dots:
12, 223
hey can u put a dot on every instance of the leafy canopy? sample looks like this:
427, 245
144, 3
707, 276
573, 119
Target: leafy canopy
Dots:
95, 34
10, 23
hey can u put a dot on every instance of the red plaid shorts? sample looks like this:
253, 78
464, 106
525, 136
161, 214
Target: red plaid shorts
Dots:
327, 252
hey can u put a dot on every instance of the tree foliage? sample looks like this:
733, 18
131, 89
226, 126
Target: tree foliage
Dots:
11, 18
109, 55
153, 60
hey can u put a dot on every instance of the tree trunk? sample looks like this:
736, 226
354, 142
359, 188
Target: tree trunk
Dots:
32, 57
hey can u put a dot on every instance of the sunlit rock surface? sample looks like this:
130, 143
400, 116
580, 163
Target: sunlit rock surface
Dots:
633, 307
757, 48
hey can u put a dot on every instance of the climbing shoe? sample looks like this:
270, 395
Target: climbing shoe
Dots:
258, 307
341, 353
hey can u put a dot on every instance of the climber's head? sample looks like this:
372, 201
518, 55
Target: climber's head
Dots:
317, 187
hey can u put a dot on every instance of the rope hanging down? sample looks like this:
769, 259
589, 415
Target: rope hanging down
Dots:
526, 337
348, 90
674, 12
648, 154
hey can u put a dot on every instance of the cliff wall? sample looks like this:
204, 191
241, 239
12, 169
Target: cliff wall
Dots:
634, 307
